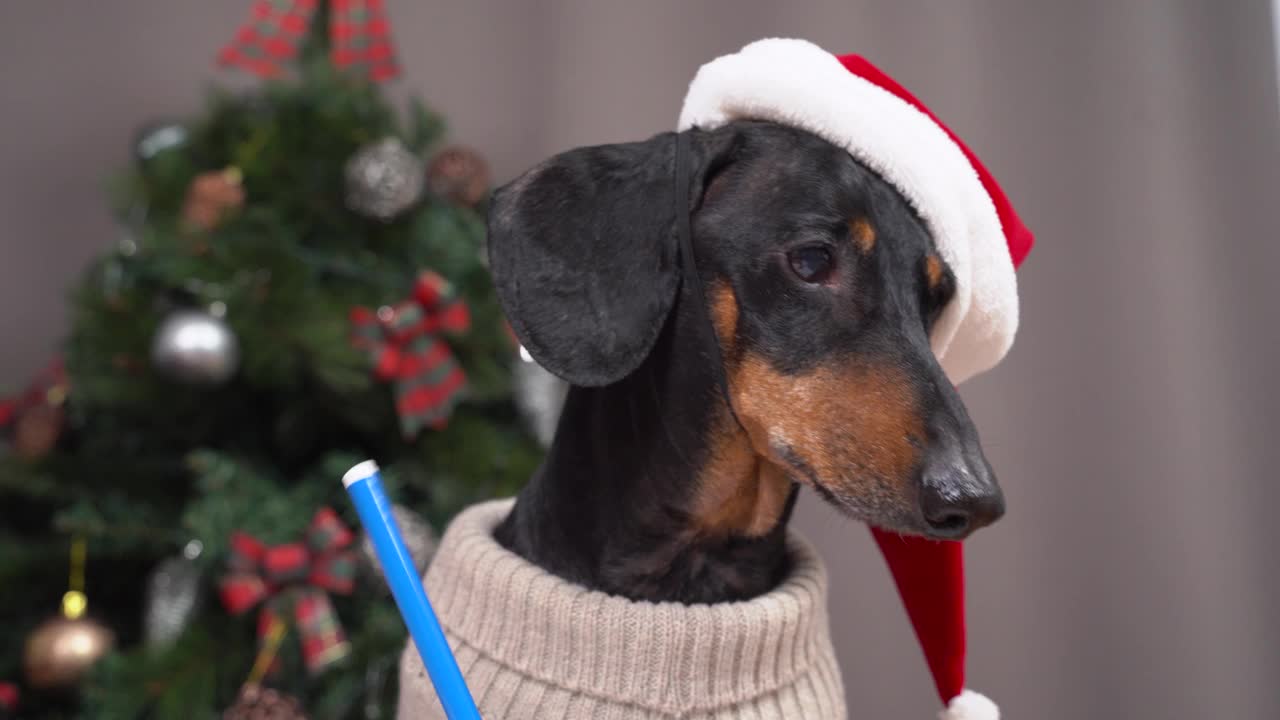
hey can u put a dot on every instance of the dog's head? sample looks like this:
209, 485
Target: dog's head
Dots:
822, 285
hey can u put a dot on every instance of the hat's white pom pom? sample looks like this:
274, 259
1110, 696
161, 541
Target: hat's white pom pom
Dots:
970, 705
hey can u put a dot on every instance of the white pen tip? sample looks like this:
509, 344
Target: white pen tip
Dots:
359, 472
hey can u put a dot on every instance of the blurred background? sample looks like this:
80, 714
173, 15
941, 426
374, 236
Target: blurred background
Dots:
1135, 575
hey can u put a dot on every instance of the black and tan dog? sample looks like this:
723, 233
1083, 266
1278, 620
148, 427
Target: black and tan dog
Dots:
821, 285
780, 295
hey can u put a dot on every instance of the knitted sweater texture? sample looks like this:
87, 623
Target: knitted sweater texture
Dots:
532, 645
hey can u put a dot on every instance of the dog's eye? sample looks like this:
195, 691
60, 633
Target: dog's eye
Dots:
811, 263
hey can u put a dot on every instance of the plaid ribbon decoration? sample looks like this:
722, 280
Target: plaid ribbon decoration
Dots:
49, 387
359, 38
294, 577
8, 696
402, 345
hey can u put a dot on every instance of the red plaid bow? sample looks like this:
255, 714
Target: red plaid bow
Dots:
360, 37
296, 574
47, 388
8, 696
403, 348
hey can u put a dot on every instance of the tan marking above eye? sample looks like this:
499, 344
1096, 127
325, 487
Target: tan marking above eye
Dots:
864, 236
933, 271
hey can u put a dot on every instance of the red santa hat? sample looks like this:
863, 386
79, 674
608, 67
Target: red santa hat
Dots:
851, 103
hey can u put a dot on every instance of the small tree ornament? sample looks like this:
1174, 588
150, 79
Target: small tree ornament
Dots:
384, 179
459, 174
294, 580
211, 197
157, 139
36, 432
197, 347
173, 596
60, 650
540, 397
358, 39
402, 344
9, 697
35, 418
255, 702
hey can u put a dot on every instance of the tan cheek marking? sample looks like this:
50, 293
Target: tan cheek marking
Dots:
724, 314
853, 426
933, 271
864, 236
881, 410
739, 493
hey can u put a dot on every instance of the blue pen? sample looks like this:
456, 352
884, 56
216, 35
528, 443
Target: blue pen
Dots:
364, 485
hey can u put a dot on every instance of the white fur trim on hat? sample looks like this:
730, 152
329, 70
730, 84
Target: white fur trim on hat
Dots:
970, 705
797, 83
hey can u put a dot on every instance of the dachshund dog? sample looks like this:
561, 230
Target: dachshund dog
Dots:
791, 349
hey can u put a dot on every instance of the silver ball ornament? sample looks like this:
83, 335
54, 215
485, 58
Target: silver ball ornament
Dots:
384, 179
196, 347
539, 396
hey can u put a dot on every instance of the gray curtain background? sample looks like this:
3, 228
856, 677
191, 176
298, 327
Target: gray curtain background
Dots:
1136, 574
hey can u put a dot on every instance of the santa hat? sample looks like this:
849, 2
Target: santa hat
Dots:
849, 102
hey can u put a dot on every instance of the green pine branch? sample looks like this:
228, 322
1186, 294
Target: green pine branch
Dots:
148, 463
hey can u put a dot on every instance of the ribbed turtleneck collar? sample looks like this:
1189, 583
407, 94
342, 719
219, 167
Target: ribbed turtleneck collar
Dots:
667, 657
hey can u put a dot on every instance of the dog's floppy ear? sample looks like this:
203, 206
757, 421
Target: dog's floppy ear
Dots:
584, 254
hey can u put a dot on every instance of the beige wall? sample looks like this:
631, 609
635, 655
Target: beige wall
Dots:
1136, 575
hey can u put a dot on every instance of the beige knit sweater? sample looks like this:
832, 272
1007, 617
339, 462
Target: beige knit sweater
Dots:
532, 645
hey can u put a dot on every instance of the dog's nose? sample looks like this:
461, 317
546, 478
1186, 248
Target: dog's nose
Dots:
955, 500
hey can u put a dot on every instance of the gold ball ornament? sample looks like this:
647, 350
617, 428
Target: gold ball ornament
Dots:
61, 649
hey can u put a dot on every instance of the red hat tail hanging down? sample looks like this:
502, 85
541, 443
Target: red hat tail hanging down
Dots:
929, 573
359, 37
851, 103
930, 579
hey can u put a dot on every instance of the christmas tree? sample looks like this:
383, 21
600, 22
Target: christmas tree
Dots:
297, 289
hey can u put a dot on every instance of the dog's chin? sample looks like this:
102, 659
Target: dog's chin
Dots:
877, 511
901, 523
870, 502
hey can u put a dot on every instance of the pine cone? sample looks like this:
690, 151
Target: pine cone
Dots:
36, 432
211, 197
459, 174
259, 703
